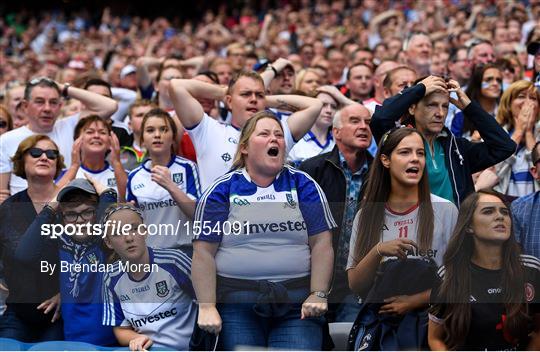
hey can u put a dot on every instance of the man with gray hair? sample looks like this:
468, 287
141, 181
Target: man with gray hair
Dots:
418, 48
341, 174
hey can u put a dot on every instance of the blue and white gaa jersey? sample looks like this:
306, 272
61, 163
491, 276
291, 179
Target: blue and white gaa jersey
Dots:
161, 305
216, 144
263, 232
105, 176
166, 223
309, 147
282, 115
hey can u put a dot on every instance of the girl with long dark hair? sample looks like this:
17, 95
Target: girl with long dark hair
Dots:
486, 299
400, 225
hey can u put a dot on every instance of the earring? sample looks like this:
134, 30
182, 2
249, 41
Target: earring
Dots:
469, 230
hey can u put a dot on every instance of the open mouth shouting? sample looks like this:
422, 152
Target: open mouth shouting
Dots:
273, 151
413, 171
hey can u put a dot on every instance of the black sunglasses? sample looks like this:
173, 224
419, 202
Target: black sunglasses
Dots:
51, 154
3, 124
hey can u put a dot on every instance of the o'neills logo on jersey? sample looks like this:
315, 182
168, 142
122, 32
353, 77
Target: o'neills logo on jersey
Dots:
157, 205
137, 323
285, 226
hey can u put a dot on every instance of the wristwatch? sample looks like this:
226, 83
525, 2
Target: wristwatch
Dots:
65, 90
320, 294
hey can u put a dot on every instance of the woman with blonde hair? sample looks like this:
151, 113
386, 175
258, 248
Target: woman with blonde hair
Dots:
519, 114
246, 293
308, 80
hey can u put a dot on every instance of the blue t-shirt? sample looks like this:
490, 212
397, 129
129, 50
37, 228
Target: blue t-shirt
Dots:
263, 232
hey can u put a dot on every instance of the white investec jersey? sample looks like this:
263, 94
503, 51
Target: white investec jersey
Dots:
161, 305
159, 208
263, 232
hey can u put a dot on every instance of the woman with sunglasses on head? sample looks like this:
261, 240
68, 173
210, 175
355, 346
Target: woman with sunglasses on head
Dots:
165, 186
485, 87
32, 313
262, 262
399, 237
488, 294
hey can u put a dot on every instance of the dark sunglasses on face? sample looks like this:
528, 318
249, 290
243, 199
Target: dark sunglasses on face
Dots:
51, 154
3, 124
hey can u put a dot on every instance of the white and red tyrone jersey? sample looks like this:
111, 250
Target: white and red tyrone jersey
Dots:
404, 225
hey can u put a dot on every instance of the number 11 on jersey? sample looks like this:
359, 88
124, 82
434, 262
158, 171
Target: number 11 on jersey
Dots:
403, 231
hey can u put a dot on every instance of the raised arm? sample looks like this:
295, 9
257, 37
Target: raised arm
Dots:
95, 104
268, 75
385, 116
496, 146
143, 65
307, 110
184, 94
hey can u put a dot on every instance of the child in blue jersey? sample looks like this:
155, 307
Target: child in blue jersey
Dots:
263, 256
165, 186
78, 203
148, 296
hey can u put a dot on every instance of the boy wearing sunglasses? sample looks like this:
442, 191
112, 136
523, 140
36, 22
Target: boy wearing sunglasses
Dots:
68, 219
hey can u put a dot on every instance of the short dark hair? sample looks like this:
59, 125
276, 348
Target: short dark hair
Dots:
98, 82
86, 121
356, 65
40, 82
249, 74
389, 79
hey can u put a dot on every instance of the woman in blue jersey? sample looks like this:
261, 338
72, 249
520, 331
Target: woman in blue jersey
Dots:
263, 257
488, 294
399, 237
148, 297
165, 186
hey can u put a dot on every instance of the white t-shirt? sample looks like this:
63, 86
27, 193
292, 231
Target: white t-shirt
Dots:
61, 134
161, 306
157, 205
216, 144
105, 176
404, 225
309, 147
